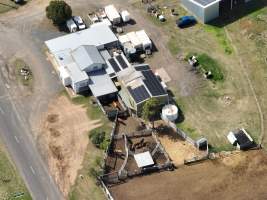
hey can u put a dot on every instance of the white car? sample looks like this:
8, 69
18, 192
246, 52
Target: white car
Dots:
79, 22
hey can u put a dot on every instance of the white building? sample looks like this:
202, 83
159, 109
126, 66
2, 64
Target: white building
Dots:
204, 10
208, 10
79, 62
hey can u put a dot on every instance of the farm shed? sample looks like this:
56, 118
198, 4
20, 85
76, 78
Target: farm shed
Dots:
207, 10
241, 139
204, 10
113, 14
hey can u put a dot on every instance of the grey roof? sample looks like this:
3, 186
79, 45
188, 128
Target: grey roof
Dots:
100, 83
86, 55
205, 2
64, 58
97, 36
75, 73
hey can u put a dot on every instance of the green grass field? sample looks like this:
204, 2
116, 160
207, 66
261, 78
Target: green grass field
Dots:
11, 184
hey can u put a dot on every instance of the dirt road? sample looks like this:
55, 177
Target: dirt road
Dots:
237, 177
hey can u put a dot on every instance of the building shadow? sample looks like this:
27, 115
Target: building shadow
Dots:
228, 16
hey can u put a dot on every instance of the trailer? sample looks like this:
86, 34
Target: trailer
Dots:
113, 14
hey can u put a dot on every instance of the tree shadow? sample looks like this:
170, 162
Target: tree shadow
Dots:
230, 16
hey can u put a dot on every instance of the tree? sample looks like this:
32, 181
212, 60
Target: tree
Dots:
151, 110
58, 11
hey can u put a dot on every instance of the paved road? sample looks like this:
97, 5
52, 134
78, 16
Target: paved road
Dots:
14, 132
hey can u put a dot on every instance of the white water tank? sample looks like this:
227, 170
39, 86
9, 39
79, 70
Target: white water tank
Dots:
170, 112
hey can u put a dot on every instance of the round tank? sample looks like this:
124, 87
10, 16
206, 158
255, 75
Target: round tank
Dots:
170, 112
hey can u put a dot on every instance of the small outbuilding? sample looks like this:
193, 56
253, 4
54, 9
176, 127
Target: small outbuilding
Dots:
143, 159
208, 10
241, 139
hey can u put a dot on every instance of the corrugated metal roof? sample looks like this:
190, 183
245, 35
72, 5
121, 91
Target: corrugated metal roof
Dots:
143, 159
87, 55
65, 60
75, 73
97, 36
100, 83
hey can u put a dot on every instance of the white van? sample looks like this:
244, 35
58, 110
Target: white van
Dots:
71, 26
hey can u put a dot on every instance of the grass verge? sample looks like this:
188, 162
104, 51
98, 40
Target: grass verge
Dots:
209, 64
20, 64
6, 5
11, 185
221, 37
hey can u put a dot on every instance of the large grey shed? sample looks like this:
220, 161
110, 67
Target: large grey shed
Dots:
204, 10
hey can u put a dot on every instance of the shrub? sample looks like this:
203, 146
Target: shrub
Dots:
97, 138
209, 64
58, 11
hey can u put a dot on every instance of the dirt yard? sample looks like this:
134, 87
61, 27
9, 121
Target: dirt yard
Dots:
237, 176
64, 139
179, 150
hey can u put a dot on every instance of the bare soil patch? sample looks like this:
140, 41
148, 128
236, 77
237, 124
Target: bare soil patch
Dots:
237, 176
64, 139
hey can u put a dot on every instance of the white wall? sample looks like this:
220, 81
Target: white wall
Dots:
203, 14
80, 86
193, 8
211, 12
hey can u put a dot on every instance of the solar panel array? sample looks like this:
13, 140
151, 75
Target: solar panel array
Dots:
114, 65
139, 94
122, 62
153, 84
142, 67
